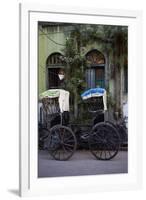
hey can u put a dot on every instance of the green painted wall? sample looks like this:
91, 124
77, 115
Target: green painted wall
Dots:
47, 47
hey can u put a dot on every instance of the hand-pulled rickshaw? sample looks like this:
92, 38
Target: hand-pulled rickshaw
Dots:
102, 137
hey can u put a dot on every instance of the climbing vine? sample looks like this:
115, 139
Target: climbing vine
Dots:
114, 42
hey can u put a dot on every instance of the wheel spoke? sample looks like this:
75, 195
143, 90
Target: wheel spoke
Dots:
70, 141
107, 150
69, 150
69, 145
65, 142
66, 139
62, 134
105, 154
104, 141
110, 153
55, 152
64, 149
100, 154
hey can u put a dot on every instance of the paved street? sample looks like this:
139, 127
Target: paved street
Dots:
81, 163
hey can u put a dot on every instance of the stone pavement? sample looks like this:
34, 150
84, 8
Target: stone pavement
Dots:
81, 163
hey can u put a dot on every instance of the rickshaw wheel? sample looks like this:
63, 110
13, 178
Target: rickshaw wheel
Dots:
62, 142
104, 141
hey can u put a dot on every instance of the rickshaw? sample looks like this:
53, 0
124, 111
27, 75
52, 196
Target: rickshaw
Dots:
61, 135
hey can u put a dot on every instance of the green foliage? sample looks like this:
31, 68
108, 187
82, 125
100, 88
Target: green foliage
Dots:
114, 43
75, 64
75, 67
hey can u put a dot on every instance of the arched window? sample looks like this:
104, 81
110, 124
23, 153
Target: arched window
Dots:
54, 64
95, 73
54, 59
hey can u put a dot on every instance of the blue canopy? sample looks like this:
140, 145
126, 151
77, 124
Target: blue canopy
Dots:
93, 92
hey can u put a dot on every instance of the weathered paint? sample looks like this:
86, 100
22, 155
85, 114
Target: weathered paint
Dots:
47, 47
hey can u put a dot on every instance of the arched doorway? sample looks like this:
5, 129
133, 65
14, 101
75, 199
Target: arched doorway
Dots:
54, 64
95, 72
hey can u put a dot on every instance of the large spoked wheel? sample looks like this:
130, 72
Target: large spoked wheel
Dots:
62, 142
104, 141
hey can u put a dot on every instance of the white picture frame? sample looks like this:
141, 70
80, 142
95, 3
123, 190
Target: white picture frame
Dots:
30, 185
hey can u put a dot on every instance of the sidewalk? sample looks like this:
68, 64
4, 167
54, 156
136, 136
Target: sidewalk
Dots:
81, 163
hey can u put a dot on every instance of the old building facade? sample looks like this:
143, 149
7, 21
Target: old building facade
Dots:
101, 68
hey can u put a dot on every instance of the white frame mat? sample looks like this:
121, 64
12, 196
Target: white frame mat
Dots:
30, 184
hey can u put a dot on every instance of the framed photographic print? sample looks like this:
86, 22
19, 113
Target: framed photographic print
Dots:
80, 100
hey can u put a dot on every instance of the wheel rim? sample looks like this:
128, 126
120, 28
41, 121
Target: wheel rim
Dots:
104, 141
62, 143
